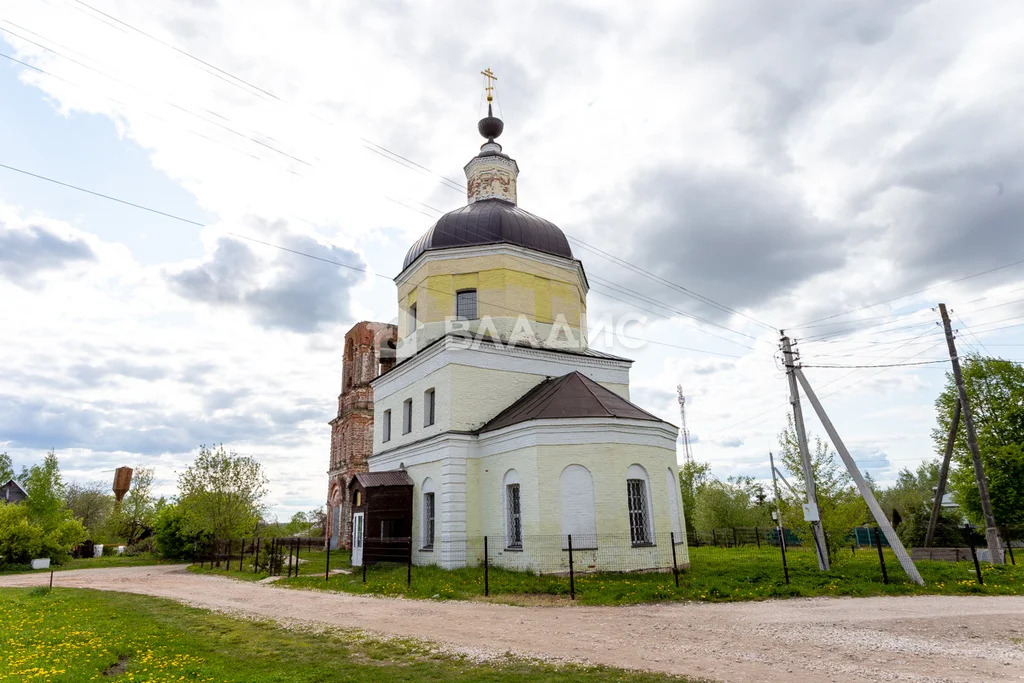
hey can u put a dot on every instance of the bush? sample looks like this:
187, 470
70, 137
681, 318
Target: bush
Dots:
146, 546
20, 541
171, 537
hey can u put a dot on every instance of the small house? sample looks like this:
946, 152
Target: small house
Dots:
381, 517
13, 492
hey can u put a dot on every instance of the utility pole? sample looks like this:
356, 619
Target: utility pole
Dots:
811, 512
940, 490
862, 485
991, 532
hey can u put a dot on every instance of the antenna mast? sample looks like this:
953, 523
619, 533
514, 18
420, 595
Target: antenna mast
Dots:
686, 432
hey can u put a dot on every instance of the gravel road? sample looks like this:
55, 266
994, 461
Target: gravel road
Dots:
928, 638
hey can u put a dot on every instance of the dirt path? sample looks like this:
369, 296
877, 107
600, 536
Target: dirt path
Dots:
868, 639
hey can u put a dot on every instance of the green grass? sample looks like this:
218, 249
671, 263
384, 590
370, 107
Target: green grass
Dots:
96, 563
716, 575
77, 635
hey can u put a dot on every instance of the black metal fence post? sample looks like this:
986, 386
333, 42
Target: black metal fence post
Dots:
969, 535
364, 571
735, 539
1009, 545
408, 576
675, 565
881, 558
288, 546
298, 544
572, 574
757, 535
714, 539
241, 554
327, 571
487, 585
51, 580
782, 547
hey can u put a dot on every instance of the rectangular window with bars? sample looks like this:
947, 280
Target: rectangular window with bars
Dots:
465, 304
428, 520
514, 532
639, 515
428, 407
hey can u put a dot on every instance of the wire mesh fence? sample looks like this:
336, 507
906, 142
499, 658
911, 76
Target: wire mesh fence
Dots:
768, 559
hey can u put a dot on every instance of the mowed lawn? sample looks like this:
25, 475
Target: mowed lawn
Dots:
716, 574
96, 563
80, 635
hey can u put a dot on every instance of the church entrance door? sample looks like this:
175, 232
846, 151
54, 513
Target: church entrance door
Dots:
357, 539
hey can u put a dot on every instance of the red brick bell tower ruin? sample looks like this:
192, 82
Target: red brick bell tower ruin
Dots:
369, 353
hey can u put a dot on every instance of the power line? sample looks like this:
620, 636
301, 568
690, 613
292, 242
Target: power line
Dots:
885, 365
920, 291
326, 260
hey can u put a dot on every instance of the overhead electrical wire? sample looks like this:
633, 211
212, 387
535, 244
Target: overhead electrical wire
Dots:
320, 258
409, 163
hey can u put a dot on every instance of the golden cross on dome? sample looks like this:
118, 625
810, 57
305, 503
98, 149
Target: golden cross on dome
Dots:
489, 88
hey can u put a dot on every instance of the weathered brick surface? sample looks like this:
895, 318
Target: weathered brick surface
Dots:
369, 351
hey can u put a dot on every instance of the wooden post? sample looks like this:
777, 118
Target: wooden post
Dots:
757, 535
782, 547
241, 554
735, 540
327, 571
572, 575
969, 535
1009, 545
364, 567
298, 544
408, 577
675, 565
487, 587
991, 532
940, 490
51, 579
256, 563
881, 557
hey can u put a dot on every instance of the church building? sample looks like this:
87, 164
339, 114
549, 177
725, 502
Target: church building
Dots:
496, 411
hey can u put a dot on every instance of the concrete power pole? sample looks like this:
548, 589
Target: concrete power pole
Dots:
811, 512
991, 532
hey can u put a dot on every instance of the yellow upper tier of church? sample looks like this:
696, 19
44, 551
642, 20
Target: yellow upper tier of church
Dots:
520, 296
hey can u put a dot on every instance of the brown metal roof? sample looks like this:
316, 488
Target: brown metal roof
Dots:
369, 480
570, 396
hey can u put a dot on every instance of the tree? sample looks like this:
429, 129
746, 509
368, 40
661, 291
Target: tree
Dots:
738, 502
6, 468
91, 505
839, 501
692, 476
134, 516
995, 389
221, 494
908, 505
54, 524
173, 539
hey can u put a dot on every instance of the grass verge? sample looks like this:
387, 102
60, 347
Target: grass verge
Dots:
97, 563
716, 575
77, 635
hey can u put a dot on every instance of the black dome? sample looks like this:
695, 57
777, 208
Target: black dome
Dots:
491, 221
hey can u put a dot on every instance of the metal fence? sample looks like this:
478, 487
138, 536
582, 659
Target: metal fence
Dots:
763, 554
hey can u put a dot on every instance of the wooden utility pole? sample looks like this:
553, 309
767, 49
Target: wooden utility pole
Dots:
862, 484
812, 513
940, 489
991, 532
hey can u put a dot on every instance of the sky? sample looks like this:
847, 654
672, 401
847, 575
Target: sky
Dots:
724, 170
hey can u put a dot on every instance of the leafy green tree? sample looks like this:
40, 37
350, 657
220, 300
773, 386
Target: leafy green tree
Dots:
173, 539
995, 389
45, 509
738, 502
91, 505
6, 468
908, 505
20, 541
692, 476
839, 501
221, 494
135, 515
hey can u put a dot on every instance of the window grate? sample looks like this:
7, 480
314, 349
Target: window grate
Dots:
428, 519
514, 532
465, 304
639, 519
